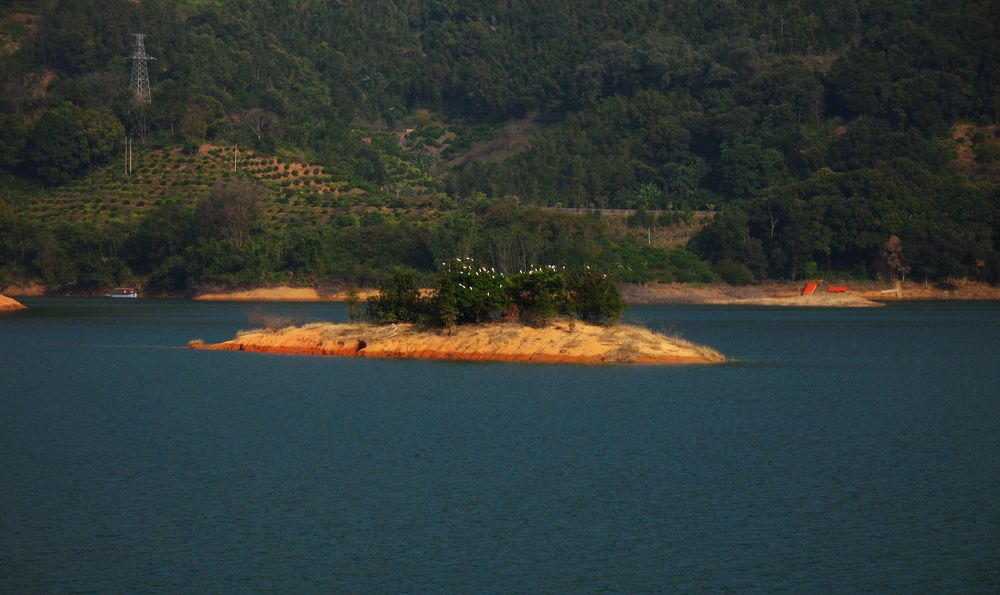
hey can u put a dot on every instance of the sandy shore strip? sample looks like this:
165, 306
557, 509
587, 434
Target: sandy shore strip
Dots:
654, 293
829, 300
284, 293
728, 295
867, 294
860, 294
561, 342
9, 304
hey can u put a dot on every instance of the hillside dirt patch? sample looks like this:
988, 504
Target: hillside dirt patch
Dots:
11, 43
513, 137
29, 289
969, 144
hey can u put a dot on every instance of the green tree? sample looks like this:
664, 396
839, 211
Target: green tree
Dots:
104, 135
540, 293
595, 297
13, 137
398, 300
746, 168
68, 140
58, 146
230, 210
162, 234
861, 82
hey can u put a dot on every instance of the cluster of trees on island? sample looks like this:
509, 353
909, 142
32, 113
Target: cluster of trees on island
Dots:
816, 131
466, 292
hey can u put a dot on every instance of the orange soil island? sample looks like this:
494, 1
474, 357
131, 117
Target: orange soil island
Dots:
7, 303
561, 342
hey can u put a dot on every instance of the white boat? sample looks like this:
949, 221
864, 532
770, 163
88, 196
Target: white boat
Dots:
122, 292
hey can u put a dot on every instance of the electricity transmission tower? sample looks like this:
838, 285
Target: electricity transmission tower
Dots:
140, 73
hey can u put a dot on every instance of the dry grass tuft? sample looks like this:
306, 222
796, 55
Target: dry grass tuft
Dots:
625, 353
271, 321
350, 331
504, 333
572, 343
706, 352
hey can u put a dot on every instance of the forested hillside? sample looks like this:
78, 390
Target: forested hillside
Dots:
854, 138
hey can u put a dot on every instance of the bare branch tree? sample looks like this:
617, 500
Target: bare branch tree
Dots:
892, 258
260, 122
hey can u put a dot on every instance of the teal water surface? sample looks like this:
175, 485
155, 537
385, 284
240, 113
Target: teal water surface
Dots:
841, 451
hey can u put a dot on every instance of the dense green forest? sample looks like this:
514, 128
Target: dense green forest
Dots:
850, 139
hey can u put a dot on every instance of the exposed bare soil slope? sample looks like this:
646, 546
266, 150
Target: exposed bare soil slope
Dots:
7, 303
563, 342
861, 294
283, 294
27, 289
759, 295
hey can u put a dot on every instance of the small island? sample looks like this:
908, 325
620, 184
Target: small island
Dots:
560, 342
7, 303
544, 315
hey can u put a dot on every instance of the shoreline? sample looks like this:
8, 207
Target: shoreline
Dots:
283, 293
865, 294
563, 342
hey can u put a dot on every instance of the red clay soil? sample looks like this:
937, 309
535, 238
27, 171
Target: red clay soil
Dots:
538, 358
8, 304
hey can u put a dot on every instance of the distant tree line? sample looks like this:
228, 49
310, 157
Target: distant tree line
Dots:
225, 241
842, 221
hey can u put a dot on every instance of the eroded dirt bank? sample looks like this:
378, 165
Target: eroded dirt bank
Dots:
283, 294
859, 295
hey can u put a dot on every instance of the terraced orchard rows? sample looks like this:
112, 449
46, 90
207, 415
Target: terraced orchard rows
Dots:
298, 191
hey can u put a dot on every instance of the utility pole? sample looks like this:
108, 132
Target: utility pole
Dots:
128, 155
140, 72
236, 154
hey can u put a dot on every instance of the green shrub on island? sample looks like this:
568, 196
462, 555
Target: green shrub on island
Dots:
464, 293
474, 293
595, 297
541, 293
398, 300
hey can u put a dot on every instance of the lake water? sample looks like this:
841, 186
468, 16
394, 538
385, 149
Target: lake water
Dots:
841, 451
